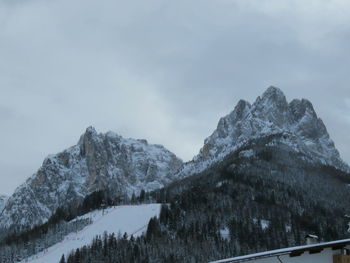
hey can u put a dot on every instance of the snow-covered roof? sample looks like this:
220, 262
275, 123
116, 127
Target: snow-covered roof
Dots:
291, 251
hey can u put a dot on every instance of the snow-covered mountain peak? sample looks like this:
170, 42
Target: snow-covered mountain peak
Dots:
272, 97
89, 134
224, 126
98, 161
241, 109
90, 137
298, 109
270, 114
271, 106
273, 92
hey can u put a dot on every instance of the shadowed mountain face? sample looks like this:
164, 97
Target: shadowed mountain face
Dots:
303, 132
98, 161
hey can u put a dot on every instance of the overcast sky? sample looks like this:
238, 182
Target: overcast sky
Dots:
161, 70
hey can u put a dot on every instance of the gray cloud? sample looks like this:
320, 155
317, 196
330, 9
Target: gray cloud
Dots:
164, 71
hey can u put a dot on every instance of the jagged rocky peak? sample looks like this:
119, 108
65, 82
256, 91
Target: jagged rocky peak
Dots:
241, 110
98, 161
272, 97
308, 125
88, 141
271, 114
299, 108
271, 106
224, 125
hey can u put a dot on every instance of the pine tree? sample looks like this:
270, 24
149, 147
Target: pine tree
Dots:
153, 229
142, 195
63, 260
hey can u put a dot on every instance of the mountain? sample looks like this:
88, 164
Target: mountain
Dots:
98, 161
267, 176
296, 123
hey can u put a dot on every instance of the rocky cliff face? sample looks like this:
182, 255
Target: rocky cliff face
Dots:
297, 122
3, 200
98, 161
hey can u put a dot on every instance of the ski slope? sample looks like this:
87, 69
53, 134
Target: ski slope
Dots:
132, 219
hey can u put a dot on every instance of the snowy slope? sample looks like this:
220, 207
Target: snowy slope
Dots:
119, 219
98, 161
295, 122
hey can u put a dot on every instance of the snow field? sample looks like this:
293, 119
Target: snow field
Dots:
132, 219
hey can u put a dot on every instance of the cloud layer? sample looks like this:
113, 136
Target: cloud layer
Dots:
160, 70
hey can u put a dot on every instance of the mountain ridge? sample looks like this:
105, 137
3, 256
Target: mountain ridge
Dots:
125, 166
269, 114
96, 162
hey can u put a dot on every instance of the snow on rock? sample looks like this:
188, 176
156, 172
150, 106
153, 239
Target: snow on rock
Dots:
246, 153
3, 200
98, 161
132, 220
296, 122
225, 233
264, 224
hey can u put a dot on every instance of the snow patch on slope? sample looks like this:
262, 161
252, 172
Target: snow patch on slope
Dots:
132, 220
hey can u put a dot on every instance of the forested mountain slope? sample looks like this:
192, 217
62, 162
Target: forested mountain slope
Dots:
244, 204
266, 177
